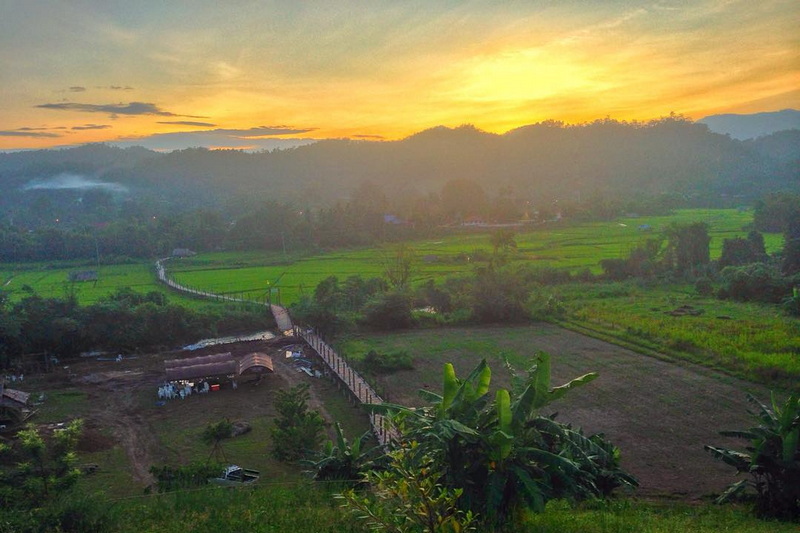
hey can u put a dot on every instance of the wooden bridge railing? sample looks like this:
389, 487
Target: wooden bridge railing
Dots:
360, 389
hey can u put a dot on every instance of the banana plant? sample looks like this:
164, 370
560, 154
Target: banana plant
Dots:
499, 450
342, 461
772, 458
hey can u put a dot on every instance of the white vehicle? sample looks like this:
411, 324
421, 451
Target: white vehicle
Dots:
235, 476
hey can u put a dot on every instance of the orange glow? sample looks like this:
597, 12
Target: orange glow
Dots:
385, 72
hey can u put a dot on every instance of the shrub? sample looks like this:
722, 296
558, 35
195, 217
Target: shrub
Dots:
704, 287
391, 310
759, 282
498, 297
543, 306
376, 363
772, 459
792, 303
298, 430
196, 474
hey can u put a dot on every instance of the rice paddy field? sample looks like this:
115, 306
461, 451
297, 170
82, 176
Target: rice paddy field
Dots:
563, 246
284, 278
52, 280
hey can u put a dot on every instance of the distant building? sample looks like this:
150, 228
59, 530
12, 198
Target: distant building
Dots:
394, 219
83, 275
183, 252
14, 405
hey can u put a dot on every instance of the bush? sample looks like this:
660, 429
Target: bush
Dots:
543, 306
376, 363
758, 282
792, 303
498, 297
704, 287
772, 459
196, 474
391, 310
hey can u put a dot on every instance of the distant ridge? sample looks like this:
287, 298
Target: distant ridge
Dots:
744, 127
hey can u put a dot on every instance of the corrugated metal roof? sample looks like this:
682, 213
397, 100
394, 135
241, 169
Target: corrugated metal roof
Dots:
16, 395
256, 363
202, 360
221, 368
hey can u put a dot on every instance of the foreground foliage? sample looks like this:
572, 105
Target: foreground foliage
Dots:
44, 466
503, 454
406, 497
772, 459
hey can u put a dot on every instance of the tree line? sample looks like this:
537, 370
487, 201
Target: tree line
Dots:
36, 329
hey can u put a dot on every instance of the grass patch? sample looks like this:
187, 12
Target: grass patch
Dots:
309, 508
264, 276
628, 516
752, 340
62, 405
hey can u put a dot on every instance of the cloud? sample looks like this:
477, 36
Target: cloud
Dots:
91, 127
119, 88
187, 123
132, 108
262, 131
77, 89
210, 139
369, 137
29, 132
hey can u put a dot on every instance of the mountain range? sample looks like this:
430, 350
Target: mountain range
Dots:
543, 162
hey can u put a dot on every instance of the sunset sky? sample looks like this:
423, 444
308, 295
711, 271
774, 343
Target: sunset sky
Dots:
244, 74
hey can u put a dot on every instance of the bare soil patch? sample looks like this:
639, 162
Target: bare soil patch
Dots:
659, 413
123, 408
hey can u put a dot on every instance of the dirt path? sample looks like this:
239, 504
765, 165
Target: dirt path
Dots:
115, 408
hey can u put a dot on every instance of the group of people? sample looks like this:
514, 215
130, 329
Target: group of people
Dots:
170, 391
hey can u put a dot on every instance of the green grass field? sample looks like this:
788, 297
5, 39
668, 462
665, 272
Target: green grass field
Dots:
52, 281
752, 340
563, 246
284, 278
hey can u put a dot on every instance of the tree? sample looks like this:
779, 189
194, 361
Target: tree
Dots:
791, 247
498, 296
387, 311
503, 243
688, 246
462, 198
297, 430
739, 251
398, 266
45, 466
214, 434
772, 459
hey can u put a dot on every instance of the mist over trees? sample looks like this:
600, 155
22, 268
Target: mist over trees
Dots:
108, 203
541, 163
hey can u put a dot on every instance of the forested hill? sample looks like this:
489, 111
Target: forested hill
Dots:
542, 162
